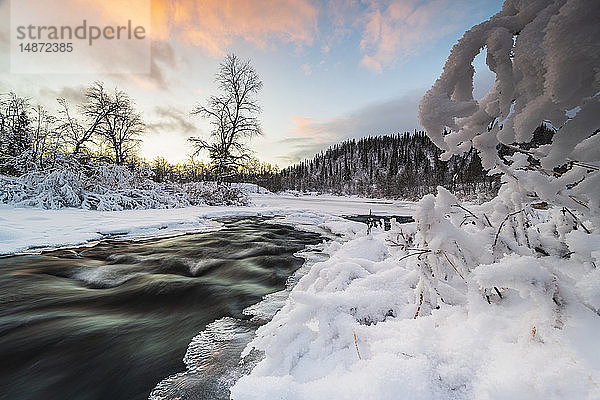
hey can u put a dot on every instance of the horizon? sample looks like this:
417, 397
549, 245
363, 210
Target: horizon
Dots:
331, 71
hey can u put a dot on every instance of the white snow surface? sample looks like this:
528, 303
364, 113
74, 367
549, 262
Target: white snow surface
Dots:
354, 328
23, 229
497, 301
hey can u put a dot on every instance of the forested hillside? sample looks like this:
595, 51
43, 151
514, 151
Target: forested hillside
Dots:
403, 165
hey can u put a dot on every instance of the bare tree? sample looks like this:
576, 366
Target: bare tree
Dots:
47, 142
97, 106
108, 118
232, 115
121, 128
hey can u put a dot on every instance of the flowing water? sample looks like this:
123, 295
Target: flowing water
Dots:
112, 320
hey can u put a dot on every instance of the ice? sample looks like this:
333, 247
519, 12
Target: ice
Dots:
30, 228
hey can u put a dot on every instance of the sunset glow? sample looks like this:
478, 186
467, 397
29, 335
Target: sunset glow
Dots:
331, 70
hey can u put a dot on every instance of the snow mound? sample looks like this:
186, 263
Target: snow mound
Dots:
358, 326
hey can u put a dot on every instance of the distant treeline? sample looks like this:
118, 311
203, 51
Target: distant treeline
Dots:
403, 165
106, 128
252, 171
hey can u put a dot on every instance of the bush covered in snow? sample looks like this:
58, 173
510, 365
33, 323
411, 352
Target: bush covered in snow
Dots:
108, 187
546, 59
215, 194
385, 318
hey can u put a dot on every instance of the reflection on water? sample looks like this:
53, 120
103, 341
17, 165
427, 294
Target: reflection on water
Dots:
110, 321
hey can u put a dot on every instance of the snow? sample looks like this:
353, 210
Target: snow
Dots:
29, 228
107, 187
336, 205
348, 328
526, 345
24, 228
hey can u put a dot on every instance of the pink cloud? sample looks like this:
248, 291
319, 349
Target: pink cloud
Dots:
395, 30
215, 24
311, 128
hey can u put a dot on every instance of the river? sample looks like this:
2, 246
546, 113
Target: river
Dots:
110, 321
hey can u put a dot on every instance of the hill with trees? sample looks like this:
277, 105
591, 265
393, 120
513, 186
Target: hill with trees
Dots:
403, 165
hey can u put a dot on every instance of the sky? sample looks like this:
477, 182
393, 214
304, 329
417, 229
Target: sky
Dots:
332, 70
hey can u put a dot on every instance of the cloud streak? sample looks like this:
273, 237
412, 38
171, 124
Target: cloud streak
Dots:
172, 120
309, 135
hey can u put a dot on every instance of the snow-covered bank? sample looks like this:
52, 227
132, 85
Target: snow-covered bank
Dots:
365, 324
70, 183
26, 228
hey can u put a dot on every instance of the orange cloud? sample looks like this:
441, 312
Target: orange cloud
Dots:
311, 128
214, 24
301, 125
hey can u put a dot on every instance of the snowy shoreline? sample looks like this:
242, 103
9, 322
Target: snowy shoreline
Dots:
27, 229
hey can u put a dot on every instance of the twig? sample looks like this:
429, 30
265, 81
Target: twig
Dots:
503, 222
419, 306
549, 173
578, 201
414, 254
463, 208
397, 241
392, 242
497, 291
520, 150
356, 345
584, 165
487, 219
577, 220
451, 263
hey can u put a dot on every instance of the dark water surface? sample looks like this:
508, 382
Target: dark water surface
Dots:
112, 320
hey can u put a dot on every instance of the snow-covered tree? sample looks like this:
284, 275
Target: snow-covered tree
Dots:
79, 133
107, 118
121, 129
29, 138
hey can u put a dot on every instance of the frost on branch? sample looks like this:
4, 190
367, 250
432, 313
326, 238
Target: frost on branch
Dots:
546, 57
